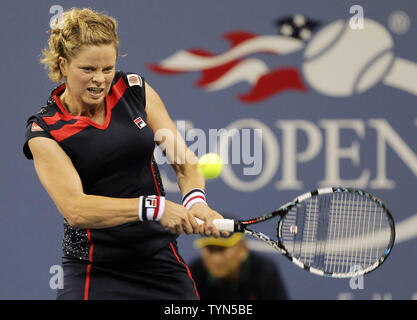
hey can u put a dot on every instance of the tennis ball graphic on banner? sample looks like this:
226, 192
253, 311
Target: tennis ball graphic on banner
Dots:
341, 61
210, 165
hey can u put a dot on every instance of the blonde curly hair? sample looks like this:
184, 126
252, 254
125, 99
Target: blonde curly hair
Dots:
76, 28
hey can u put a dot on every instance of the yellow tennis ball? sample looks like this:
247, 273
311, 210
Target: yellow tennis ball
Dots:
210, 165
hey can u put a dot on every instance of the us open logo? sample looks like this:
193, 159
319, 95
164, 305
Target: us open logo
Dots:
331, 64
139, 122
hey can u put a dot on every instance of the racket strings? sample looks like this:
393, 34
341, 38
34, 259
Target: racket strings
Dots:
352, 233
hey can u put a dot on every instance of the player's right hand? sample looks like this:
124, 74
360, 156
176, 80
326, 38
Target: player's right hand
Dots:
176, 219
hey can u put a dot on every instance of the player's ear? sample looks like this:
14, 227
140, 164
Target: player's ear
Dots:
63, 66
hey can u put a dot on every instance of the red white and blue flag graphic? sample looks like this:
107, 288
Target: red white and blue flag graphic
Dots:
221, 71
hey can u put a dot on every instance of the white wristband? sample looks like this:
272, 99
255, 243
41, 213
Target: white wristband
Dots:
151, 208
192, 197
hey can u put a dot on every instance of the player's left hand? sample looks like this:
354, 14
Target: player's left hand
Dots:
204, 212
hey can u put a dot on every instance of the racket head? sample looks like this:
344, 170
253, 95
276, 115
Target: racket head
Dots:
336, 232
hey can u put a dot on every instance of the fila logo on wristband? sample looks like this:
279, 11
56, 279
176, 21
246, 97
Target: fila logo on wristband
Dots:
192, 197
151, 203
151, 208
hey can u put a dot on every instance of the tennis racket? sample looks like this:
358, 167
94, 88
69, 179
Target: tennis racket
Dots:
331, 232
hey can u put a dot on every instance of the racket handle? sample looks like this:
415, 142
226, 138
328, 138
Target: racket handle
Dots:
221, 224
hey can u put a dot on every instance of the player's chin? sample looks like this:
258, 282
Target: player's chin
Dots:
94, 100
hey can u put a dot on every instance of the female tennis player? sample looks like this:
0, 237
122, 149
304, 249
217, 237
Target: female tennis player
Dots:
92, 146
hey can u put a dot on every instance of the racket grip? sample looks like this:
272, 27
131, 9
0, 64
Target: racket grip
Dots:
221, 224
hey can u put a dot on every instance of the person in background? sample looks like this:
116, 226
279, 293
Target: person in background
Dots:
228, 270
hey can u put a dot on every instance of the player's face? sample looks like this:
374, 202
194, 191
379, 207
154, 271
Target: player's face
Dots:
90, 73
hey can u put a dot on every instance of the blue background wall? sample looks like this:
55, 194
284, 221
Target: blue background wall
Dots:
378, 125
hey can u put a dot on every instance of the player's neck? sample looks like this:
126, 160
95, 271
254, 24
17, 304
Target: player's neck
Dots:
77, 108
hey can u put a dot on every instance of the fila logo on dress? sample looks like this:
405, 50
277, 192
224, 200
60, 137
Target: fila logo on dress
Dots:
139, 122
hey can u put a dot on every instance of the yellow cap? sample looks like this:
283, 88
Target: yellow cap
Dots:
221, 242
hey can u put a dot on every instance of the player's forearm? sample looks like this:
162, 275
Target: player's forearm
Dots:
95, 212
188, 176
